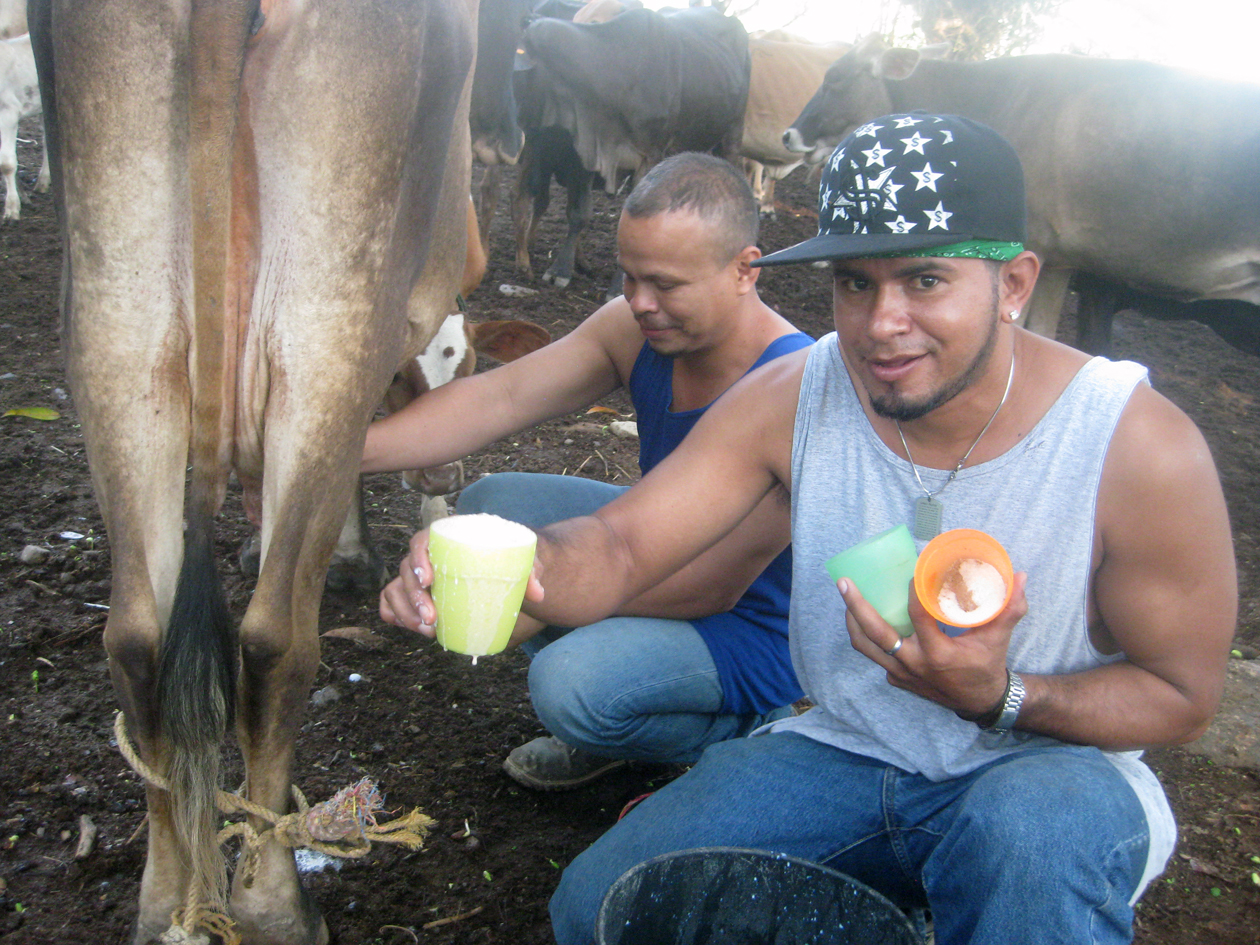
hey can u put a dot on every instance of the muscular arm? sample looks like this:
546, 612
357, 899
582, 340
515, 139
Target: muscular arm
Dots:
714, 582
1165, 591
461, 417
727, 466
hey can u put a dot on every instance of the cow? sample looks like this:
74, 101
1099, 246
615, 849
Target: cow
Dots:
601, 11
633, 90
1137, 173
239, 288
12, 18
19, 98
496, 134
785, 74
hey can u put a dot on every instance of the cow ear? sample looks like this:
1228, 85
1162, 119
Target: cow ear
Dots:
897, 63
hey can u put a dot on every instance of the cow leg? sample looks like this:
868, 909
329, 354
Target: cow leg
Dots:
143, 520
533, 196
1046, 304
356, 566
279, 657
325, 339
44, 181
578, 213
8, 161
488, 201
1096, 305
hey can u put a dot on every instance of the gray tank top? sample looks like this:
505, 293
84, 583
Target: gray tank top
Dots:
1038, 499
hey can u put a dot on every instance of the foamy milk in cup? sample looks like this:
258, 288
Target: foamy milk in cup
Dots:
964, 577
481, 564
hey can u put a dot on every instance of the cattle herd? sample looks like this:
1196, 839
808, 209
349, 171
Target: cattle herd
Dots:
240, 288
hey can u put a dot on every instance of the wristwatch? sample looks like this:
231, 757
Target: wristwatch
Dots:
1011, 704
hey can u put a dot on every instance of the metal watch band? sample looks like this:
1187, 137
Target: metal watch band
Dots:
1010, 705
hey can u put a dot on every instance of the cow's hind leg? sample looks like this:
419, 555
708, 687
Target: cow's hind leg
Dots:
279, 656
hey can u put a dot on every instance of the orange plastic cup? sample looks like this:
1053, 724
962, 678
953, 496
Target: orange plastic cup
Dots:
939, 562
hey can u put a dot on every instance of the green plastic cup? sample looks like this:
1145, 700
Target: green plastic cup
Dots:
481, 564
882, 569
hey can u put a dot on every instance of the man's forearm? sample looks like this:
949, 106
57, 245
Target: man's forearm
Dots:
586, 572
1117, 707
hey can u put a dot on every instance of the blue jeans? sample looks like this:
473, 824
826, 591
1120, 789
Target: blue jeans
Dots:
641, 688
1040, 847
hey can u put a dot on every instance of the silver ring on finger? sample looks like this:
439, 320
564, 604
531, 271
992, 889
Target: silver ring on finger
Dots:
896, 647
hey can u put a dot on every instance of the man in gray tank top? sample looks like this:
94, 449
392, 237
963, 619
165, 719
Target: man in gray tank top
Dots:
991, 775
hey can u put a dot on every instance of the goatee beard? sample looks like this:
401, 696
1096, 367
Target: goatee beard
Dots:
895, 407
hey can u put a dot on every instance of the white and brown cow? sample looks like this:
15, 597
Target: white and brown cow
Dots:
240, 287
1137, 173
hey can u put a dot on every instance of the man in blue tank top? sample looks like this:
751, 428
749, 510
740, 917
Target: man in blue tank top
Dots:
701, 656
989, 775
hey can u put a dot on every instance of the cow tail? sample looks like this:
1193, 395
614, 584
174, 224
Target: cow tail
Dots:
197, 670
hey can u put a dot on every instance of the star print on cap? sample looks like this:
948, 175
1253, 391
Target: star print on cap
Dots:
908, 183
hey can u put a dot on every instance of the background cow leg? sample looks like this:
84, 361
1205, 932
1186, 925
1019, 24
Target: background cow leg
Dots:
1046, 304
8, 161
529, 203
356, 564
578, 213
1097, 300
488, 201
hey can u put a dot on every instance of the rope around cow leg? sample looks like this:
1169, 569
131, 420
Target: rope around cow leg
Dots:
342, 826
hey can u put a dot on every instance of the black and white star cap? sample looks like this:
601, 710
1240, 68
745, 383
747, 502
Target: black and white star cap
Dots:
911, 182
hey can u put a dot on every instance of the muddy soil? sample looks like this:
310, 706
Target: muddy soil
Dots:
431, 727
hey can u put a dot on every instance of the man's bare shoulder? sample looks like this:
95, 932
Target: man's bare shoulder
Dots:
1160, 490
1156, 445
613, 331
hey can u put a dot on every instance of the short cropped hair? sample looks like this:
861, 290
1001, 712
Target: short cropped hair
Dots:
708, 186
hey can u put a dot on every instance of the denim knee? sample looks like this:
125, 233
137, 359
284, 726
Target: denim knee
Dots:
560, 697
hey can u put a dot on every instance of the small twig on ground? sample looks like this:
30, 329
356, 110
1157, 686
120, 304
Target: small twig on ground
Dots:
437, 923
414, 936
601, 456
143, 823
584, 462
75, 634
43, 587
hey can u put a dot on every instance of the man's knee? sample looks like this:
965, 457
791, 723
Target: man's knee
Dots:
484, 495
563, 686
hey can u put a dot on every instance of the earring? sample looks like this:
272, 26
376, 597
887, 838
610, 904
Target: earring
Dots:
1014, 314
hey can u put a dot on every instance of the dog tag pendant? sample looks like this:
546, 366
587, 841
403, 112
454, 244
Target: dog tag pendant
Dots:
927, 518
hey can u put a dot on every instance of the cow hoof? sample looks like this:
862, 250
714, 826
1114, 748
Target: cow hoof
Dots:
250, 558
362, 574
560, 282
304, 927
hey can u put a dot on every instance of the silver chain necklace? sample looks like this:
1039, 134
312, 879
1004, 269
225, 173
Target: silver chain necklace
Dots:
927, 509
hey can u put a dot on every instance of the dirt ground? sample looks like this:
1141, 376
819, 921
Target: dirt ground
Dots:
430, 726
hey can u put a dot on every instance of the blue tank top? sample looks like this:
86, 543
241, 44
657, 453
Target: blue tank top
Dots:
749, 642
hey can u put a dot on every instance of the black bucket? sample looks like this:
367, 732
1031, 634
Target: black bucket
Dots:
727, 896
